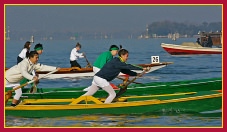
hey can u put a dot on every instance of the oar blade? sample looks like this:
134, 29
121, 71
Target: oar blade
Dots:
8, 95
121, 91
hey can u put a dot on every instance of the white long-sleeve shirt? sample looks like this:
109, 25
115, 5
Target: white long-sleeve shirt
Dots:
74, 55
24, 69
23, 53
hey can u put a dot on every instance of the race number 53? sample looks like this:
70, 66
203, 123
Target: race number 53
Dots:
154, 59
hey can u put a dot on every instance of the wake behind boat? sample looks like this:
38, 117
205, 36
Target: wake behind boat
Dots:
189, 49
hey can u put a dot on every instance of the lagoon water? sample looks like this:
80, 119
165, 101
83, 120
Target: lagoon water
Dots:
185, 67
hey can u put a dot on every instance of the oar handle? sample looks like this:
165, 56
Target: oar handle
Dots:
141, 74
124, 89
127, 80
34, 80
48, 73
86, 59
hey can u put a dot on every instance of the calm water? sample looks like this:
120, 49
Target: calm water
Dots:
187, 67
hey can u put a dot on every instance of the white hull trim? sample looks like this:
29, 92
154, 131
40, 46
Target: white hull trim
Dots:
90, 74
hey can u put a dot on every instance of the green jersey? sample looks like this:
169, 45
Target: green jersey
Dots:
103, 59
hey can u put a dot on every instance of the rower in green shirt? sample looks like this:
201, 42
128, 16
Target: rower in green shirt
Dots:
103, 58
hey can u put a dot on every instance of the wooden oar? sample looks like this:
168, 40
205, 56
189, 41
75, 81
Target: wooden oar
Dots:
9, 93
155, 64
128, 80
124, 89
88, 63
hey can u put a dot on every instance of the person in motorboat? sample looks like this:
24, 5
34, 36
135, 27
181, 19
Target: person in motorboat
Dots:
209, 41
74, 55
103, 58
24, 70
109, 72
198, 41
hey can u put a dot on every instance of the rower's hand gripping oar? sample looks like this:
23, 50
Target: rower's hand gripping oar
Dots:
124, 89
9, 93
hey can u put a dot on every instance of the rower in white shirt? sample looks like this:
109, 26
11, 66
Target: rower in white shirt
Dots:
23, 70
75, 55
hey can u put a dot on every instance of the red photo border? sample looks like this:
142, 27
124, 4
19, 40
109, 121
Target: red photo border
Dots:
3, 2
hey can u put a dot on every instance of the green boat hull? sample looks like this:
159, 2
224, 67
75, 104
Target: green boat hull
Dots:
188, 102
135, 89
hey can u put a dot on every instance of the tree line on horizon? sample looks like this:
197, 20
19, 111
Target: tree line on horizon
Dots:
161, 28
166, 27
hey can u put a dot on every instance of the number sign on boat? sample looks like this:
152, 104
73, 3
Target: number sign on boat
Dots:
154, 59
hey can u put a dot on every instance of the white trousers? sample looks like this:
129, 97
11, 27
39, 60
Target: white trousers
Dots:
95, 70
18, 92
105, 85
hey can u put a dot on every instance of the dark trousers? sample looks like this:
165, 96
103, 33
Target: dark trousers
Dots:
74, 64
19, 59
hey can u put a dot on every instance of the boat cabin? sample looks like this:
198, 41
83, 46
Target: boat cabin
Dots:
215, 36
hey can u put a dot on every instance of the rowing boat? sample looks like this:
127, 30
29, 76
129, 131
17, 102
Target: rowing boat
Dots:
133, 89
88, 72
180, 102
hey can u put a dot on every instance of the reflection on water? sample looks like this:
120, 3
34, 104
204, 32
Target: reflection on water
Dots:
164, 120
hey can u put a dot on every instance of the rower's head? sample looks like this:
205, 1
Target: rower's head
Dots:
113, 49
78, 46
123, 53
33, 57
27, 45
39, 48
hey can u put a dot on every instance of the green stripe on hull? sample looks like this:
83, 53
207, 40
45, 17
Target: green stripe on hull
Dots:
136, 89
178, 107
180, 103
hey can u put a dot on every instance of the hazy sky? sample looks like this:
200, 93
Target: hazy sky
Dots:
104, 18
